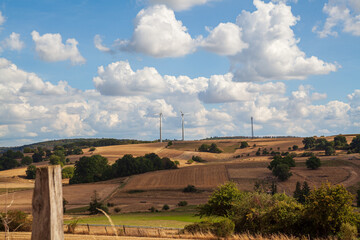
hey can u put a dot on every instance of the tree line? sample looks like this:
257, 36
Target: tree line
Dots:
96, 168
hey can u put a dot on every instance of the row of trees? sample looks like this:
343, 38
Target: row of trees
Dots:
324, 211
96, 167
329, 147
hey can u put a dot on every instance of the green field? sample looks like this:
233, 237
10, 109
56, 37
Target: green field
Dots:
160, 219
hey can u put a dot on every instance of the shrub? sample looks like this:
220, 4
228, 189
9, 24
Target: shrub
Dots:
55, 160
190, 161
92, 149
67, 172
347, 232
109, 204
65, 202
295, 147
117, 209
182, 203
282, 172
313, 163
152, 209
203, 148
15, 220
165, 207
327, 208
197, 159
244, 145
221, 200
222, 227
72, 226
190, 189
212, 148
170, 143
31, 172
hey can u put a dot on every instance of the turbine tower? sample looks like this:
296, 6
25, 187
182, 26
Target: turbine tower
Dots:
252, 127
182, 123
160, 114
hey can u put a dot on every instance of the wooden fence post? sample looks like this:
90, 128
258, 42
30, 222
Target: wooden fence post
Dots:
47, 204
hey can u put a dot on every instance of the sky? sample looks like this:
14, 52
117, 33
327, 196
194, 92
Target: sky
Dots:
99, 69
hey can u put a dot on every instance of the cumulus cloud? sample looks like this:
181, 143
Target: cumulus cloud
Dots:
98, 44
225, 39
341, 13
13, 42
67, 112
118, 79
157, 33
272, 52
50, 48
180, 5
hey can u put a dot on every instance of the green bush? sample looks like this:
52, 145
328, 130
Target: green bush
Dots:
244, 145
329, 150
165, 207
221, 227
197, 159
221, 200
190, 189
201, 227
31, 172
117, 209
295, 147
92, 149
347, 232
327, 208
67, 172
313, 163
182, 203
170, 143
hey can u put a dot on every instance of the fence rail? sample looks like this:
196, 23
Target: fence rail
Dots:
126, 226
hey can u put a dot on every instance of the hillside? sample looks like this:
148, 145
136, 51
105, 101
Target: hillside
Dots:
243, 166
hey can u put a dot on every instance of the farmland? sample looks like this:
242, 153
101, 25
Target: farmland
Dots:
138, 193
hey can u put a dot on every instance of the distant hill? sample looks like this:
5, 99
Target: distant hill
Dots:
80, 142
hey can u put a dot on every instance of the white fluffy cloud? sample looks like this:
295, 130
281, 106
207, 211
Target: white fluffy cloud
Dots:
98, 44
341, 13
13, 42
179, 5
118, 79
50, 48
67, 112
159, 34
225, 39
272, 52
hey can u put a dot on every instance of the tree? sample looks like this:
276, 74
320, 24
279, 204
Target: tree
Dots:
214, 149
297, 193
203, 148
244, 145
295, 147
95, 204
221, 200
277, 159
67, 172
329, 150
38, 156
26, 160
313, 163
31, 172
300, 194
56, 160
309, 142
89, 169
322, 143
355, 144
340, 142
282, 172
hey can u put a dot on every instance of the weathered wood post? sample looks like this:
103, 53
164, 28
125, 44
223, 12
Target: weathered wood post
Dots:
47, 205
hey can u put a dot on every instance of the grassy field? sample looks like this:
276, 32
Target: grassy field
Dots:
158, 219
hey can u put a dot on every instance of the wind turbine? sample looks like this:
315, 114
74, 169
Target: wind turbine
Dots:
160, 115
182, 124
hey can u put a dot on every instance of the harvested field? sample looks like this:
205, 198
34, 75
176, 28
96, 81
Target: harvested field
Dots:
77, 195
207, 176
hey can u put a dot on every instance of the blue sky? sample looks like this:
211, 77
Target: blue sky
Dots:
71, 69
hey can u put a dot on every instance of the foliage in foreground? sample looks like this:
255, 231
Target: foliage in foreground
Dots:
15, 220
324, 212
